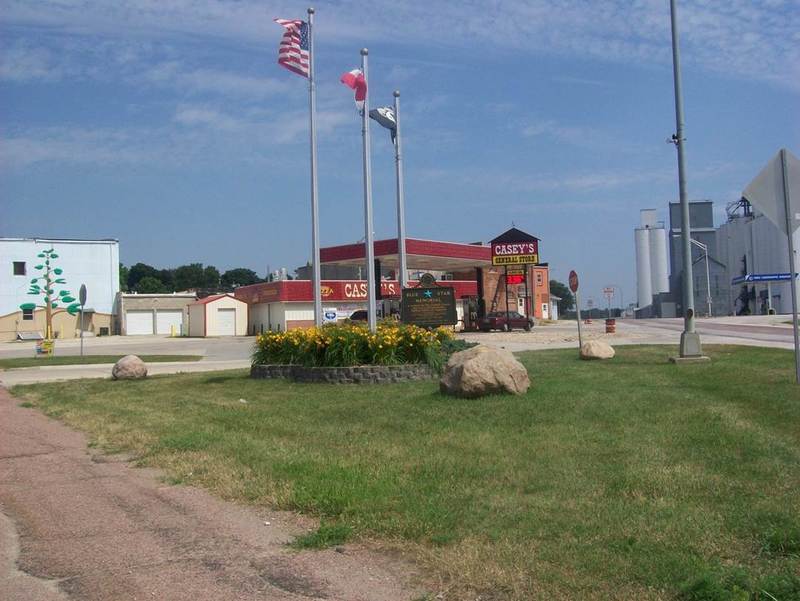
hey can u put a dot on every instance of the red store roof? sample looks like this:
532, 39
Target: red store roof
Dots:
421, 254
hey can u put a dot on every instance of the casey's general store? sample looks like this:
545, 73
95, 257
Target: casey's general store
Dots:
485, 278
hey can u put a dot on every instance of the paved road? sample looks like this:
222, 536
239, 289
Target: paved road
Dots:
215, 349
91, 528
728, 331
217, 353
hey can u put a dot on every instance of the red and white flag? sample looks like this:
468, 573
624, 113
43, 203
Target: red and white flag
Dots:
355, 80
293, 50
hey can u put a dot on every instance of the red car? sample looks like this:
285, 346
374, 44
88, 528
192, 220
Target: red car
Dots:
499, 321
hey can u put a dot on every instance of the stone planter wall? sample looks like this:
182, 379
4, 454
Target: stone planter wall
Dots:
360, 374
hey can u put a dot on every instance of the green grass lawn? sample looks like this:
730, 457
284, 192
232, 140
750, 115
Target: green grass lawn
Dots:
629, 479
17, 362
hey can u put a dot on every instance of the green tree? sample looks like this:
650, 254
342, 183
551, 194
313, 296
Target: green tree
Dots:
238, 277
45, 286
150, 285
167, 277
211, 278
567, 300
139, 271
124, 272
189, 276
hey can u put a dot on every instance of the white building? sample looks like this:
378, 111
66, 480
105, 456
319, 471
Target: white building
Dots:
94, 263
218, 315
751, 244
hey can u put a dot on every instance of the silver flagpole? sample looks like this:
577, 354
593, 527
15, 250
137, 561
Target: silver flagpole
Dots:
312, 102
368, 242
401, 208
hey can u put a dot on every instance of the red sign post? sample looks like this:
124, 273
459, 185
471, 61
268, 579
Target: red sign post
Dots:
573, 286
573, 281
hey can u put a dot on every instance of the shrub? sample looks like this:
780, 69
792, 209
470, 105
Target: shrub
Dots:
348, 344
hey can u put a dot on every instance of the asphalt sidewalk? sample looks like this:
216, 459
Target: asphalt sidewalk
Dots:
77, 526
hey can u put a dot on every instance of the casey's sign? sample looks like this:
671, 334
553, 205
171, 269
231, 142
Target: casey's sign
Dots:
517, 253
358, 290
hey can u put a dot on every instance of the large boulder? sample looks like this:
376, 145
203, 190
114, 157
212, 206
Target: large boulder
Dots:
597, 349
482, 370
130, 367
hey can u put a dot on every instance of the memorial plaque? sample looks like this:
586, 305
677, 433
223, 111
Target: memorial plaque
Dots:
429, 307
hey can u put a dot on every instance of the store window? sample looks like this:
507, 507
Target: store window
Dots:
19, 267
27, 314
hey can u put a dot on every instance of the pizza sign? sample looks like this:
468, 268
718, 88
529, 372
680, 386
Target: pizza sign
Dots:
515, 253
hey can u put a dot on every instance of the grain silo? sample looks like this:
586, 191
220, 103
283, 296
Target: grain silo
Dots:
644, 289
652, 276
659, 273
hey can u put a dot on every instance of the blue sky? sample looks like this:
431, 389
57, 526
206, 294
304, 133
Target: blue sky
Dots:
168, 125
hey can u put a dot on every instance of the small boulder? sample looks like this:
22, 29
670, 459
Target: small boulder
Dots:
483, 370
130, 367
597, 349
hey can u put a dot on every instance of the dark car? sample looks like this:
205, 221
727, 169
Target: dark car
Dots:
360, 315
499, 321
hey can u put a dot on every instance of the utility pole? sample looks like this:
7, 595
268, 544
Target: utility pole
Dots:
690, 347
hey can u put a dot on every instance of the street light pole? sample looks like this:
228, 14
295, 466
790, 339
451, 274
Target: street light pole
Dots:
690, 339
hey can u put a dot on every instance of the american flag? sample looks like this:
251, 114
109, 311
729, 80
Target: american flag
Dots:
293, 51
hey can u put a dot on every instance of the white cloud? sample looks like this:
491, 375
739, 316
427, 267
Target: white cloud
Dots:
206, 117
737, 37
24, 63
197, 135
197, 81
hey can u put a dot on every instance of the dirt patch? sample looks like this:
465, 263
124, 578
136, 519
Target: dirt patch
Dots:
108, 531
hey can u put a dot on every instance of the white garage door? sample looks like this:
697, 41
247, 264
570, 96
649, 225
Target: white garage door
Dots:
167, 319
138, 323
226, 322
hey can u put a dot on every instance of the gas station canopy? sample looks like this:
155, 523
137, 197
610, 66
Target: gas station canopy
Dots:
424, 255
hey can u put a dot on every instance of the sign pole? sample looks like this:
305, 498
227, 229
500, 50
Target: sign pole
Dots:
312, 110
578, 315
792, 278
401, 207
573, 286
508, 313
82, 300
529, 308
368, 236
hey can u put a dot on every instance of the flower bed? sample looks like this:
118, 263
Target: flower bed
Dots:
352, 344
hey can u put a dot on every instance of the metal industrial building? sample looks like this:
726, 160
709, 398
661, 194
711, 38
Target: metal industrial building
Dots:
709, 273
750, 244
701, 220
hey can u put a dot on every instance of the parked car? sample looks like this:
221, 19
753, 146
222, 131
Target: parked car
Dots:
360, 315
499, 321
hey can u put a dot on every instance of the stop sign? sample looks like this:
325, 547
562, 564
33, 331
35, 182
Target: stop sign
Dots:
573, 281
